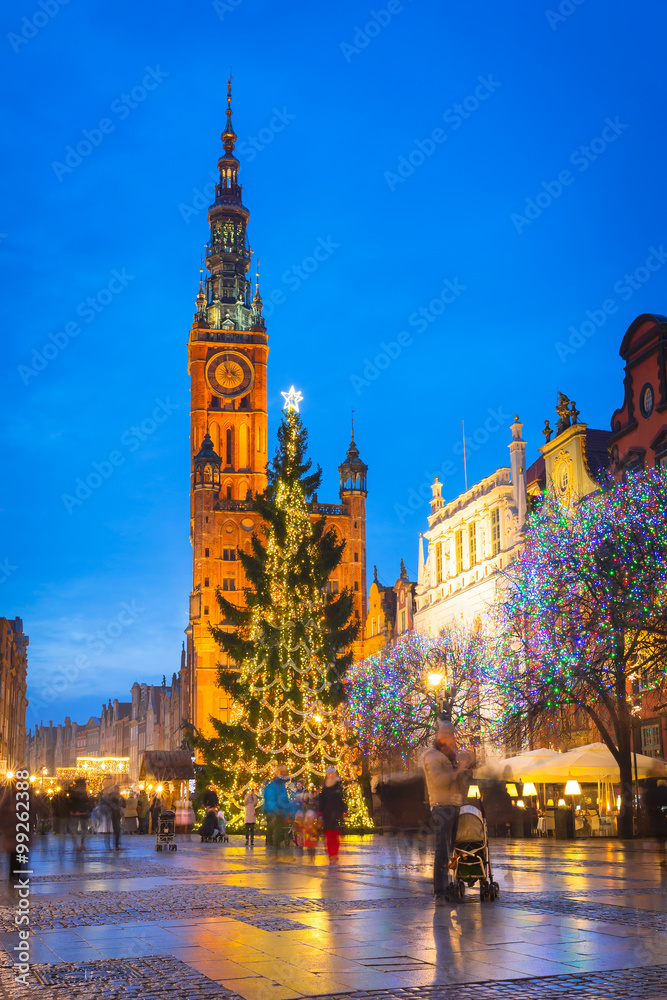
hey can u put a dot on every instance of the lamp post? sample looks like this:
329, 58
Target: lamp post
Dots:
443, 695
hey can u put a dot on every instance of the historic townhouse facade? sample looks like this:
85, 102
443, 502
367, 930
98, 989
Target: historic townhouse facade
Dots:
468, 542
13, 700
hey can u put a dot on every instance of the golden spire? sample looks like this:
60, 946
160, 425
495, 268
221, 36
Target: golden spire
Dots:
229, 135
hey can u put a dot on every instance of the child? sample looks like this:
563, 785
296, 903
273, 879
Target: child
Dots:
311, 827
299, 825
222, 823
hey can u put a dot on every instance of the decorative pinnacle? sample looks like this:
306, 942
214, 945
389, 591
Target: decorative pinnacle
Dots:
229, 135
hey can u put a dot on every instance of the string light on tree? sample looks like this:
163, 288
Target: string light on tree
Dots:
289, 647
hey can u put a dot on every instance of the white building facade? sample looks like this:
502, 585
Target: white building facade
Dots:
469, 542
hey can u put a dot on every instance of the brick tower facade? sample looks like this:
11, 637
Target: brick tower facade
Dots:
227, 361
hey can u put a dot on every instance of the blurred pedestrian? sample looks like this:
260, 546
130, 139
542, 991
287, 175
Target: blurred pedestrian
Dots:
446, 775
130, 819
250, 816
155, 810
79, 811
332, 810
113, 805
311, 825
142, 811
277, 807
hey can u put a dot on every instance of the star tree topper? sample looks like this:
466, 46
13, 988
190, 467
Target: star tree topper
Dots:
292, 399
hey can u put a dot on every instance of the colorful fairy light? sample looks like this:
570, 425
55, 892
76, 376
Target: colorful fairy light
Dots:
392, 696
583, 612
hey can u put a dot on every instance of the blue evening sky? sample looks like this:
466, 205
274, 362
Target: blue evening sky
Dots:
350, 139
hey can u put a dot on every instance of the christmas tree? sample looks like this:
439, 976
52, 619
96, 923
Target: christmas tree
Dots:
288, 648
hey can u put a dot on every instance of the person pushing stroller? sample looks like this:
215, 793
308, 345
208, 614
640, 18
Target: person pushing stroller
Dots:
447, 775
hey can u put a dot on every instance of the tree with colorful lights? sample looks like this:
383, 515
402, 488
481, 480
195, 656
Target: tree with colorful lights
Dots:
395, 696
584, 614
288, 647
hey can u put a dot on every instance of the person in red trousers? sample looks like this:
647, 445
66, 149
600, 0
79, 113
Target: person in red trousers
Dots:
332, 809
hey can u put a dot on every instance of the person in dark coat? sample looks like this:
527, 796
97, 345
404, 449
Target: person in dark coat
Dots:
209, 827
210, 799
113, 805
332, 809
79, 811
155, 810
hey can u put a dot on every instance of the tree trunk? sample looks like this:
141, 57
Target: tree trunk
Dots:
625, 819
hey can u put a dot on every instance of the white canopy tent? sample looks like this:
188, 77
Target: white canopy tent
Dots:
512, 768
593, 762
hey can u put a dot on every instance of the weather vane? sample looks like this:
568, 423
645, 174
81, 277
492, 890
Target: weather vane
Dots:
292, 399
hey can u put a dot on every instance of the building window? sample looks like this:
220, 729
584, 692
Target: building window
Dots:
229, 493
495, 531
402, 621
356, 585
459, 551
205, 553
651, 741
228, 584
472, 543
228, 446
372, 626
332, 587
356, 557
205, 611
438, 562
229, 555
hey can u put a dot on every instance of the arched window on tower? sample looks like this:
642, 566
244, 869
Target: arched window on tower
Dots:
229, 454
229, 493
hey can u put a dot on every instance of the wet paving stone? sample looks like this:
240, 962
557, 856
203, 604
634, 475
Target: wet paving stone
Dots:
148, 978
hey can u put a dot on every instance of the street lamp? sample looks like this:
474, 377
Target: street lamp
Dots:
435, 679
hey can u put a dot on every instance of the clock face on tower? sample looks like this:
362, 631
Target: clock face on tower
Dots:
230, 374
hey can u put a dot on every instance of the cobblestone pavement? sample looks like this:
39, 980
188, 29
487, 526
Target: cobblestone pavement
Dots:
586, 918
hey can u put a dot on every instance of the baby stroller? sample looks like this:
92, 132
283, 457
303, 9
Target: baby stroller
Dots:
165, 838
470, 862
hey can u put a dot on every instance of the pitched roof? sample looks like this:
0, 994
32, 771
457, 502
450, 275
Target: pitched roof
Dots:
167, 765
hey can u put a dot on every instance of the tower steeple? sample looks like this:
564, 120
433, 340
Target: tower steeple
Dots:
228, 288
229, 135
353, 471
